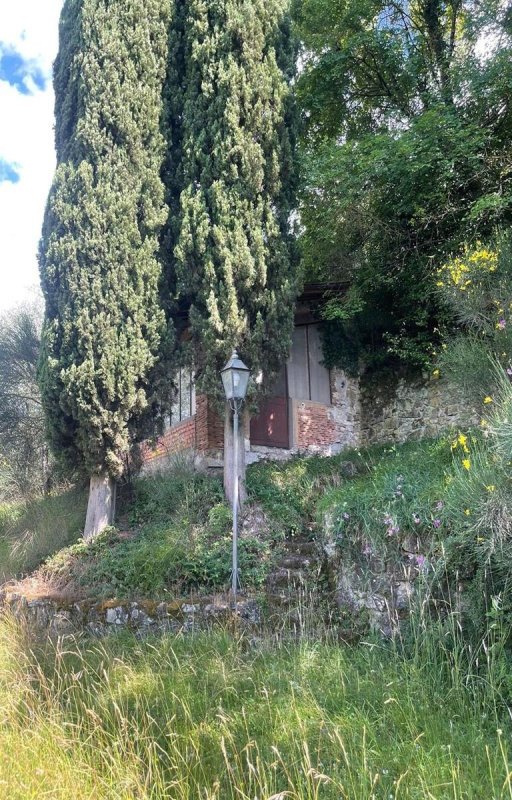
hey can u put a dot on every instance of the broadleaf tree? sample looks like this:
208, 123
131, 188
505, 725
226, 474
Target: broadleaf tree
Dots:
98, 256
408, 125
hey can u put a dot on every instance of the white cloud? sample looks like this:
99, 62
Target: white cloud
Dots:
30, 27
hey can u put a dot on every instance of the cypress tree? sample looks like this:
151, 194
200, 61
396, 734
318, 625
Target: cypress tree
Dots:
98, 255
232, 262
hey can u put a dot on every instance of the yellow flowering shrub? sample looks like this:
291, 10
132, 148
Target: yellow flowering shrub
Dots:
477, 284
466, 270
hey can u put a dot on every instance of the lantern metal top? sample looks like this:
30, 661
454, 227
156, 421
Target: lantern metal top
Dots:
235, 377
235, 362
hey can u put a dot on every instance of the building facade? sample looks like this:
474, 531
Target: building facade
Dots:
313, 410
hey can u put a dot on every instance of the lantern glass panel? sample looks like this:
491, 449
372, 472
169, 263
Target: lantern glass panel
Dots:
235, 378
242, 379
227, 380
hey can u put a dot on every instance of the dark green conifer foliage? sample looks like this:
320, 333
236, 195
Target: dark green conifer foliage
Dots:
232, 266
98, 255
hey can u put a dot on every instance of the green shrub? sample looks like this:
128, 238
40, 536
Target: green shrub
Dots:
180, 487
289, 491
180, 541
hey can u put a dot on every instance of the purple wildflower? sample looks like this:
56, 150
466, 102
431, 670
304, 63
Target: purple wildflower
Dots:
439, 505
502, 324
437, 523
420, 561
346, 516
416, 519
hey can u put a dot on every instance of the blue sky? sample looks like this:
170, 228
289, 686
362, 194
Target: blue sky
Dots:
28, 45
25, 75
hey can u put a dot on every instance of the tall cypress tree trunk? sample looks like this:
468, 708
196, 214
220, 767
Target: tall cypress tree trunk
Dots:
101, 506
229, 483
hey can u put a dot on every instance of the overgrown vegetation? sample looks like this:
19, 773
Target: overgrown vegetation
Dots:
216, 717
176, 538
34, 529
407, 157
452, 493
477, 285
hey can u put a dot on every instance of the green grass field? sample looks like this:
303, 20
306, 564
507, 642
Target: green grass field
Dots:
218, 717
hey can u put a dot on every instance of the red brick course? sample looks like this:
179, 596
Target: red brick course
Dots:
314, 426
209, 426
204, 432
180, 437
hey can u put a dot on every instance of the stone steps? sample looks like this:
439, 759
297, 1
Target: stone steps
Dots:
296, 573
301, 546
296, 561
283, 578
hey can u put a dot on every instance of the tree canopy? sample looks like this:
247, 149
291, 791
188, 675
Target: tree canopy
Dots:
23, 462
407, 156
98, 257
231, 167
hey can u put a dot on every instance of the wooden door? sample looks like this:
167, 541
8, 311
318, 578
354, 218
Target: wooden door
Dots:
271, 427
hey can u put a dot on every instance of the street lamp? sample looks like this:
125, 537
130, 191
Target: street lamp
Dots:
235, 378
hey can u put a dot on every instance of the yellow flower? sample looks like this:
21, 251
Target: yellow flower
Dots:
467, 512
487, 400
466, 463
484, 423
491, 488
436, 373
463, 441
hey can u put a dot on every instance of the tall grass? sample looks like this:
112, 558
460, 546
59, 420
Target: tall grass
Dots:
217, 717
33, 529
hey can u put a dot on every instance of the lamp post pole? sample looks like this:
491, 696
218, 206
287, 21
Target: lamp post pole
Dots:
234, 577
235, 379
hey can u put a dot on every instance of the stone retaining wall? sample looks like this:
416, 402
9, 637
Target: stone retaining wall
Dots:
373, 589
398, 409
47, 615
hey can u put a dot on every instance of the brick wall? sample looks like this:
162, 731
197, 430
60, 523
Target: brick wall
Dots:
201, 423
178, 438
203, 433
209, 426
314, 426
